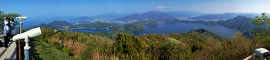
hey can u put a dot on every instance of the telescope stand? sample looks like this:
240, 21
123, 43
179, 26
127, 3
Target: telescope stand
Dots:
23, 52
26, 48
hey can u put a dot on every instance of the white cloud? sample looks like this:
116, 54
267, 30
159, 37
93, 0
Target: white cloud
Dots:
162, 7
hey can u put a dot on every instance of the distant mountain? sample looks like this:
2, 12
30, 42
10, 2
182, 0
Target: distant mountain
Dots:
250, 33
208, 33
95, 25
150, 15
82, 18
60, 23
240, 23
43, 25
112, 15
185, 13
224, 16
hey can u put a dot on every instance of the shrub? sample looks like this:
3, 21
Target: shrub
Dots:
66, 50
127, 46
57, 45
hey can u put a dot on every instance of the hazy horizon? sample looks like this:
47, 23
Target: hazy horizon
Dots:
32, 8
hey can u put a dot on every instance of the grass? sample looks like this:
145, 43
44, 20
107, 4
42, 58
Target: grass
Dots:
43, 51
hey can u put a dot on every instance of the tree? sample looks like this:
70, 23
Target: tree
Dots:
127, 46
264, 19
9, 15
2, 16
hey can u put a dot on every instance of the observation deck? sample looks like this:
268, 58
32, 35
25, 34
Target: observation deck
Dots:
9, 53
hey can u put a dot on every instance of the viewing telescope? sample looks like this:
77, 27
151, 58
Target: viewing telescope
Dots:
26, 35
30, 34
262, 52
23, 18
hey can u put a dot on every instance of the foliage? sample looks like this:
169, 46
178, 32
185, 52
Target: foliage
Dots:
149, 23
195, 45
66, 50
41, 50
236, 48
262, 20
57, 45
208, 33
127, 28
173, 46
45, 34
152, 24
198, 44
9, 15
78, 43
240, 23
127, 46
133, 27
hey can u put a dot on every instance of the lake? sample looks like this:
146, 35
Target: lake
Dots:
163, 28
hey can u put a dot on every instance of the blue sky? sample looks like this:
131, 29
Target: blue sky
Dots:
36, 8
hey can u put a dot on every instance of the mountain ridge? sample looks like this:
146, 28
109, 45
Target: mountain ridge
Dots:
150, 15
208, 33
223, 16
58, 23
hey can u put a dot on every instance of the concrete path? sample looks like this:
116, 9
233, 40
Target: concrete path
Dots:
7, 53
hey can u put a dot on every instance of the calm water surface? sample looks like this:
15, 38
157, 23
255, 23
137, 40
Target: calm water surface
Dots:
185, 28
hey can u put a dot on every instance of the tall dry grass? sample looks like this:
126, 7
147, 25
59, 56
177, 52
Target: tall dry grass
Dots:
97, 56
75, 48
78, 43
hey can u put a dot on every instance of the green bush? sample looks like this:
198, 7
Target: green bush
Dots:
57, 45
66, 50
127, 46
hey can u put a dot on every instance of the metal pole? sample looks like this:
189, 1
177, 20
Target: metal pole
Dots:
250, 57
26, 49
21, 26
20, 41
19, 50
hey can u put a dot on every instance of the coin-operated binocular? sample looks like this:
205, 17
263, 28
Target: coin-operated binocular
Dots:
262, 52
28, 34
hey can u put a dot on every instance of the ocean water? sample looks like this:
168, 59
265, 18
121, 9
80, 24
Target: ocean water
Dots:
185, 28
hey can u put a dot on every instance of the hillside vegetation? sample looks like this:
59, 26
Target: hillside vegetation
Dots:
198, 44
194, 45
